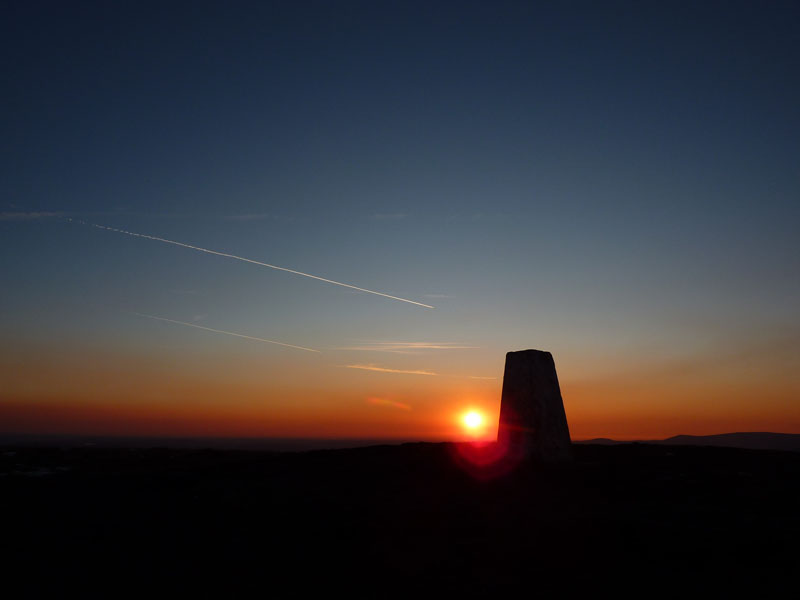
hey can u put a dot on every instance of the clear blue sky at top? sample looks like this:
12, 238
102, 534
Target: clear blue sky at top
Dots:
578, 173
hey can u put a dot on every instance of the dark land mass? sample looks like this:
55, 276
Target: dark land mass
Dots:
393, 520
752, 440
272, 444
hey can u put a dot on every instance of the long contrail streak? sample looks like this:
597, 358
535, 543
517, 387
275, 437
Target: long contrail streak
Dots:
247, 337
249, 260
385, 370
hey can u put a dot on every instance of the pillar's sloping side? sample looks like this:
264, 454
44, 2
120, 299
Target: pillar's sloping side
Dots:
533, 423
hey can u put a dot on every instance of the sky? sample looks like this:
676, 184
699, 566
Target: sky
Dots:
616, 183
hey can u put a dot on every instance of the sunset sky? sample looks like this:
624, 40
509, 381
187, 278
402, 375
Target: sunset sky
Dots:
616, 183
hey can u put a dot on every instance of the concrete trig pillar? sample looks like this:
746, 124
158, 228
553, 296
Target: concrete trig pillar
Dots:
533, 423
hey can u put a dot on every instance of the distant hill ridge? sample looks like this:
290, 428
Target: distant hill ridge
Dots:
751, 440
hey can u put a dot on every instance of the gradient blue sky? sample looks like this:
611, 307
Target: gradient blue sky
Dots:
617, 183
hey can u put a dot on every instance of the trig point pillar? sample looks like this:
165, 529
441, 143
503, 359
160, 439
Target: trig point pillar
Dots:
533, 423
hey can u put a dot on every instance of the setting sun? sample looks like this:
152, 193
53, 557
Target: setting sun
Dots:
473, 420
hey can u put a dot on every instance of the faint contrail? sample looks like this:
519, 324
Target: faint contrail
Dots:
371, 367
385, 402
247, 337
249, 260
385, 370
406, 347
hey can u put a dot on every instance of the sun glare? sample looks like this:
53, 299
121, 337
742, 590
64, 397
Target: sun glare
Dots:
473, 420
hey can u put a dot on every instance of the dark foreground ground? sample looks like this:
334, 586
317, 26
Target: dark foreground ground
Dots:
391, 520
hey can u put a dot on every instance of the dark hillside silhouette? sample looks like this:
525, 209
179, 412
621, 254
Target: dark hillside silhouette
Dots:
748, 440
388, 520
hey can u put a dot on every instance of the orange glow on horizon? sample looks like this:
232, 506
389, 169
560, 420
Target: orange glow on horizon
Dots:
133, 392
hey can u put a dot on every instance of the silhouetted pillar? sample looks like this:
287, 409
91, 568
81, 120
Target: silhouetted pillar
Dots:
532, 418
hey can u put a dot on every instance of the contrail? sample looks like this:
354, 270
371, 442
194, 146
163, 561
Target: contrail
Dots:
385, 402
406, 347
247, 337
249, 260
371, 367
385, 370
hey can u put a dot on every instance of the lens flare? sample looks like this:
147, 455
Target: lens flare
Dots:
483, 460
